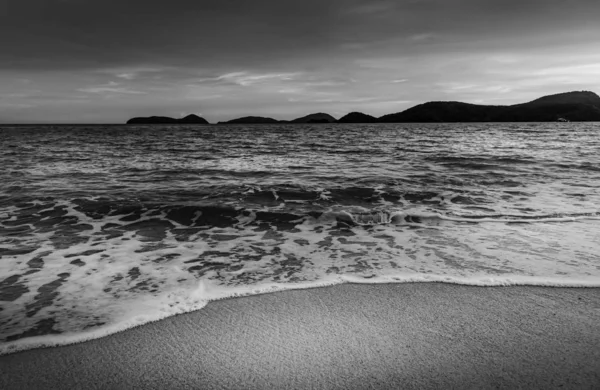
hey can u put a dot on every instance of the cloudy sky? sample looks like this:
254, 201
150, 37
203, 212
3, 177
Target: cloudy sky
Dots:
88, 61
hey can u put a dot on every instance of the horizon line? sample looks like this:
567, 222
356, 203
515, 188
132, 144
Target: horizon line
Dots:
286, 121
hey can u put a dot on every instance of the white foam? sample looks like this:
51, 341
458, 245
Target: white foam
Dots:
217, 263
207, 292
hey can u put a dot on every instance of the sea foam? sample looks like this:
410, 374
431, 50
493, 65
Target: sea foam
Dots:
126, 274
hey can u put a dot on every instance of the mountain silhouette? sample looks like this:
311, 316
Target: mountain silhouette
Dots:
251, 120
193, 119
190, 119
574, 106
570, 106
357, 117
315, 118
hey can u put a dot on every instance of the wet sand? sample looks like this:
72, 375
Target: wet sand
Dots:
422, 335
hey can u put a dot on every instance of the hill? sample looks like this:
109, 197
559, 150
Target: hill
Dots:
572, 106
357, 117
315, 118
193, 119
251, 120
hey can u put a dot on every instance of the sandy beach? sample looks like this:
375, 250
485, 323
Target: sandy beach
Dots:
423, 335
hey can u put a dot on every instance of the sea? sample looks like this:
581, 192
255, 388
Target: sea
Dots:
107, 227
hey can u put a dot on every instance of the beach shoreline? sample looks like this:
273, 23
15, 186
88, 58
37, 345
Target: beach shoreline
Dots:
408, 335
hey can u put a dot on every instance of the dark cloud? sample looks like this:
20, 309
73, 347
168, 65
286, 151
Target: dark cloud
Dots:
77, 33
94, 33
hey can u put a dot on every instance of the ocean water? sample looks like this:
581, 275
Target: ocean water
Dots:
107, 227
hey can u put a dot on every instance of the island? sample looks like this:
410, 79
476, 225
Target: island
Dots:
319, 117
357, 117
577, 106
563, 107
188, 120
252, 120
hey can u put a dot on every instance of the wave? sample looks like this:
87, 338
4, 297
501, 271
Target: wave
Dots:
399, 217
585, 166
284, 208
481, 160
162, 229
86, 268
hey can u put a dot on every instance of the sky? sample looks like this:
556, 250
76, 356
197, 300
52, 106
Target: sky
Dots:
105, 61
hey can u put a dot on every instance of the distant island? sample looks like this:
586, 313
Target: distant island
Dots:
357, 117
569, 106
315, 118
190, 119
252, 120
578, 106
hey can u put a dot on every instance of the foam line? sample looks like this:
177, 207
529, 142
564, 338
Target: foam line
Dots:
399, 217
205, 293
98, 268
